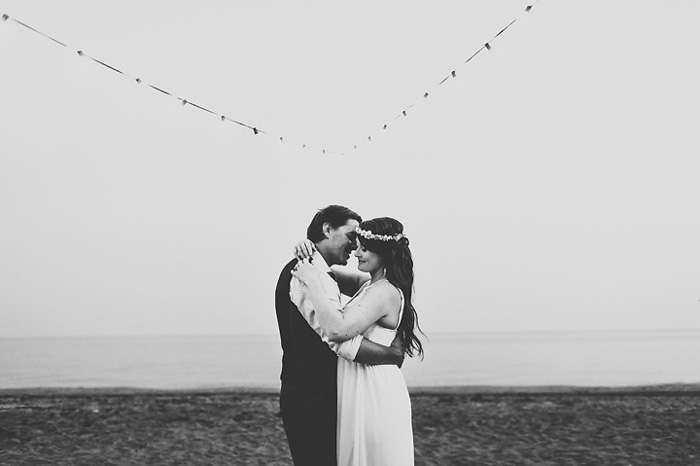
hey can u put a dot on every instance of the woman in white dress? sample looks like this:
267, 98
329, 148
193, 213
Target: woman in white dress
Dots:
374, 409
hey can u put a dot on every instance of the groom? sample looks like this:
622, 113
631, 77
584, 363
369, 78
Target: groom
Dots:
308, 393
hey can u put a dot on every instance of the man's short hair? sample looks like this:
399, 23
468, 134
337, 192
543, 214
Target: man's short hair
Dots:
335, 215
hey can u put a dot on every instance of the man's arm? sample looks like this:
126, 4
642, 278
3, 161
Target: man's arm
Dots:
372, 353
347, 349
358, 349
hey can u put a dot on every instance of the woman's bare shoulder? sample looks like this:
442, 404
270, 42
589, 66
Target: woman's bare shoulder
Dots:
383, 289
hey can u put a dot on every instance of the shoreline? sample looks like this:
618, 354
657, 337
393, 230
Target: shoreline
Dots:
680, 389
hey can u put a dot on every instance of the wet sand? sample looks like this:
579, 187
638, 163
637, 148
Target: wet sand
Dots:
656, 426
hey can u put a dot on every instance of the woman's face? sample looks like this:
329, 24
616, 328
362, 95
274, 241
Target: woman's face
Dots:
367, 261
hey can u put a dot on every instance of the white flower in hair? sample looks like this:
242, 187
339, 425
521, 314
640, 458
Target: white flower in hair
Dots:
367, 234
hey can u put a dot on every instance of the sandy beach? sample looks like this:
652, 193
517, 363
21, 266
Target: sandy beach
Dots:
657, 425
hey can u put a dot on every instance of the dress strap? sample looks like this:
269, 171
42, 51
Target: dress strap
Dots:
401, 308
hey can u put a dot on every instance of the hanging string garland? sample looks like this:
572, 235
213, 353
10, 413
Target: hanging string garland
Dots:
256, 130
453, 74
184, 102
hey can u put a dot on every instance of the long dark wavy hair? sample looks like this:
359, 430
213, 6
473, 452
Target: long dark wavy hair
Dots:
398, 263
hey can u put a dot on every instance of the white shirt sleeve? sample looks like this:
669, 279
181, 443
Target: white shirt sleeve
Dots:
347, 349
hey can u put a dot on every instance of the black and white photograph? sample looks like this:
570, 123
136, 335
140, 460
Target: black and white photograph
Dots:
368, 233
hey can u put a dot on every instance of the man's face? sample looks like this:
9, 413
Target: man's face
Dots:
340, 243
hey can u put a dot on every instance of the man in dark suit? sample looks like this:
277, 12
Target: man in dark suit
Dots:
308, 392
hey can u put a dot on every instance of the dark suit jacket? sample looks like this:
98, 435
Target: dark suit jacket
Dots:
308, 394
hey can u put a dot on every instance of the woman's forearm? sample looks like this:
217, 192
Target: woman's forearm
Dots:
349, 282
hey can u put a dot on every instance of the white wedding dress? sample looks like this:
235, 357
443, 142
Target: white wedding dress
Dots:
374, 410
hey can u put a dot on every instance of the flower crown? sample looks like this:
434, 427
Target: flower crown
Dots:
367, 234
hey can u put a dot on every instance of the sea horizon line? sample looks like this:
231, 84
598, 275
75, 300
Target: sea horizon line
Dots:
437, 333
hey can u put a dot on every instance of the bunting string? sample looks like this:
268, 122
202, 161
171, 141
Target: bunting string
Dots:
453, 74
81, 53
256, 130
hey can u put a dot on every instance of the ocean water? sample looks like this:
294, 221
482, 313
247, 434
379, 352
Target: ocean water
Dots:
493, 359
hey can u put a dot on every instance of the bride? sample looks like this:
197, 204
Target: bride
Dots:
374, 409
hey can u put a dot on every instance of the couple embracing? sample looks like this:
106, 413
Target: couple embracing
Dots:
343, 398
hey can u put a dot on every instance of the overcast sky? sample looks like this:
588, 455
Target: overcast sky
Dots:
552, 185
